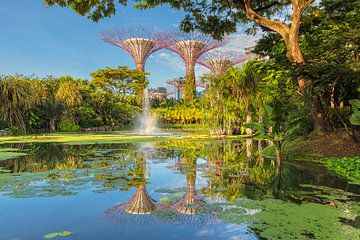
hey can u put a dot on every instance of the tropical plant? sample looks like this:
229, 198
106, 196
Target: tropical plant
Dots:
274, 129
69, 94
355, 116
16, 96
68, 126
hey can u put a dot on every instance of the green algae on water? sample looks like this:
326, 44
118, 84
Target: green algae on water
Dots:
276, 219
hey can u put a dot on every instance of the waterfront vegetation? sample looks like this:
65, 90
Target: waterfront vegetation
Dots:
270, 150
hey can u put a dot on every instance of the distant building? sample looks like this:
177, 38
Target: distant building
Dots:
178, 85
160, 93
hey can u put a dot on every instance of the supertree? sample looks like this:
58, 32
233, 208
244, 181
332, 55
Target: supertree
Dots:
187, 208
140, 204
160, 93
138, 41
219, 61
179, 84
189, 46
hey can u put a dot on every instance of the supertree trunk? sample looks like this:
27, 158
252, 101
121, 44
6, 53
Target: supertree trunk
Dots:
190, 84
189, 46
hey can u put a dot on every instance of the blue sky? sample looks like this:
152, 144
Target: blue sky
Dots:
55, 41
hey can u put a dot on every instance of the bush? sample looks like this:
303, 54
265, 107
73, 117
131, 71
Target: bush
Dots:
68, 126
90, 123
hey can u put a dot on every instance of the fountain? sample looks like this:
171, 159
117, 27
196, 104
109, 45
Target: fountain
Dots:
146, 121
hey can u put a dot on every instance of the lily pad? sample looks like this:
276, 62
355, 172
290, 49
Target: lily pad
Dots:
57, 234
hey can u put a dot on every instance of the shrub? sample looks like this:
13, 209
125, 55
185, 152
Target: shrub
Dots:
90, 123
68, 126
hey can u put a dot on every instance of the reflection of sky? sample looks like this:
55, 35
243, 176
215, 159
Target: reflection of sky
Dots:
31, 218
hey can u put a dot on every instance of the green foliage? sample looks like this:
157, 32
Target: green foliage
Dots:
216, 18
348, 167
191, 113
118, 94
15, 130
273, 128
16, 96
3, 124
32, 104
68, 126
90, 123
355, 117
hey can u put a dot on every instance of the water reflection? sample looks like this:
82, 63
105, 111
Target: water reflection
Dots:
141, 203
215, 177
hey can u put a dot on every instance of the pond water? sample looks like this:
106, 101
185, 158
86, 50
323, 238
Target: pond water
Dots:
171, 190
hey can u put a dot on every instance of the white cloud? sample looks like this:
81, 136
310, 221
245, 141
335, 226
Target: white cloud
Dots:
239, 41
169, 59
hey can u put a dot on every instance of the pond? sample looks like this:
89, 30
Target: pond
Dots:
208, 189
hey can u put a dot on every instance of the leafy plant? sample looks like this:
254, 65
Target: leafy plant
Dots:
355, 117
3, 124
273, 128
68, 126
348, 167
90, 123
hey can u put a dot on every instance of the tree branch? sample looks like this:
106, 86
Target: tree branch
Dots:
276, 26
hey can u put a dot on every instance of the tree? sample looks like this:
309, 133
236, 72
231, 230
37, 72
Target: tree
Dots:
117, 90
329, 38
49, 106
16, 96
69, 94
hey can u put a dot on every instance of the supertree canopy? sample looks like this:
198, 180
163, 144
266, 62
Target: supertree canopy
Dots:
190, 46
136, 40
219, 61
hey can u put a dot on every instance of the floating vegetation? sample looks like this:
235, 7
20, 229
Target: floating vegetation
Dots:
57, 234
276, 219
8, 153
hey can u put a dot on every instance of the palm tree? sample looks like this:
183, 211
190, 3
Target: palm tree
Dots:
68, 93
244, 84
16, 96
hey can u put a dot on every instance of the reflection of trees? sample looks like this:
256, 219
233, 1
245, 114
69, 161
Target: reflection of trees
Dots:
44, 157
233, 175
237, 171
57, 169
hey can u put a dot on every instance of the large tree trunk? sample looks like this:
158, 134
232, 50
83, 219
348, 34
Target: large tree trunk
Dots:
290, 34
